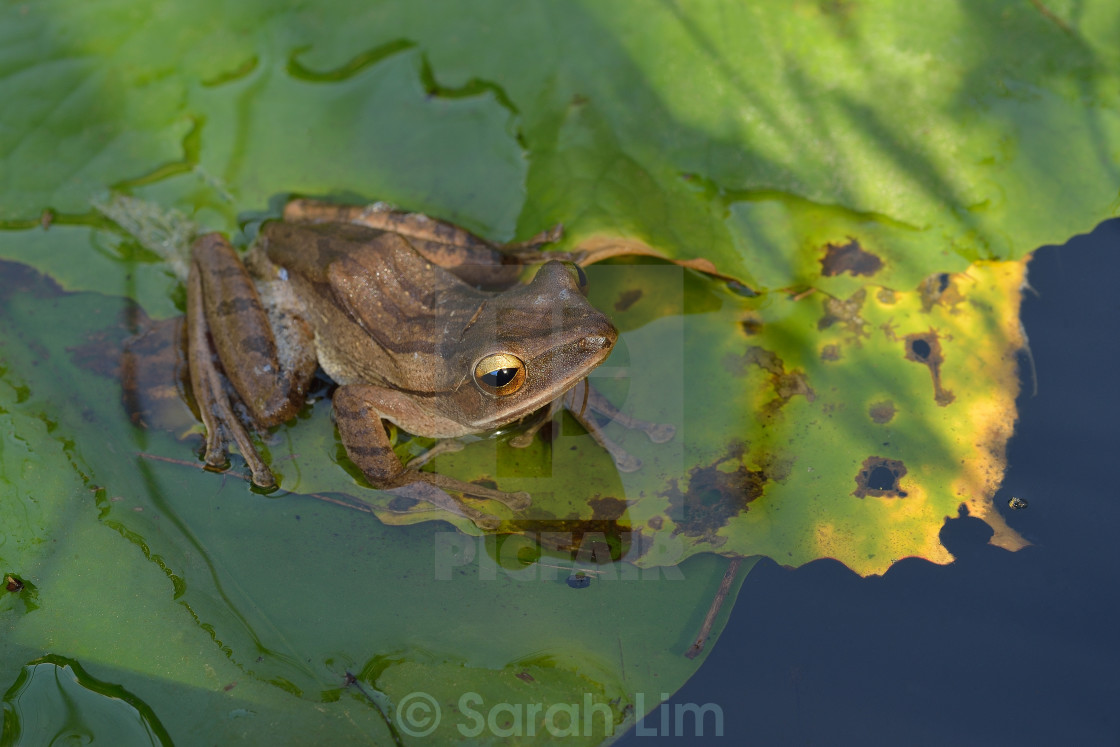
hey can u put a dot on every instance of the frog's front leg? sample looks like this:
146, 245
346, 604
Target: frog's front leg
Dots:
581, 401
231, 345
357, 412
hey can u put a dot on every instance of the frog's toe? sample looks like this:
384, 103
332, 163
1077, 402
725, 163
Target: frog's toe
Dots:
215, 462
518, 501
487, 523
522, 440
627, 462
659, 433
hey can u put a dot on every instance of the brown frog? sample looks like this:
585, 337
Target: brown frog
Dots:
389, 305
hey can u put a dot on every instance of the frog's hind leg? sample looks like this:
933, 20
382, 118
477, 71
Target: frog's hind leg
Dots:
367, 445
384, 217
234, 356
270, 379
211, 395
477, 261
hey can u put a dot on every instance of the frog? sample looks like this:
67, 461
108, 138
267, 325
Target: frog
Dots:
420, 323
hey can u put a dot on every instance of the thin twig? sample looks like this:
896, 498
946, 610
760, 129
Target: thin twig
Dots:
317, 496
180, 462
1049, 15
705, 629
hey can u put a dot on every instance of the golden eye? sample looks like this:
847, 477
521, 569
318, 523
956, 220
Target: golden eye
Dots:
500, 373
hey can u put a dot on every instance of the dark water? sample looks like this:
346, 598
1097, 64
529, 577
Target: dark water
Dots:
997, 648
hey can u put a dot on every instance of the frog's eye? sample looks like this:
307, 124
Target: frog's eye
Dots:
500, 373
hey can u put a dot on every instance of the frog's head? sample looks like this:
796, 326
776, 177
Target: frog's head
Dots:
530, 344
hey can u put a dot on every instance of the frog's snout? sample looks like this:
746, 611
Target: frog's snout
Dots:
598, 340
591, 343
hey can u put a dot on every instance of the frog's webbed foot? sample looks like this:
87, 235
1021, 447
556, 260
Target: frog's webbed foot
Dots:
436, 496
584, 399
516, 501
212, 395
432, 487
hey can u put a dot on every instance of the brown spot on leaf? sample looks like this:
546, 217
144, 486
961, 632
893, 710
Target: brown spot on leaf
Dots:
777, 467
785, 384
850, 258
845, 312
882, 412
606, 509
607, 530
751, 325
626, 299
611, 539
878, 477
925, 348
830, 353
939, 289
655, 523
715, 494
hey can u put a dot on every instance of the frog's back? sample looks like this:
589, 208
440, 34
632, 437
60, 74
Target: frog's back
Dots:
378, 307
308, 249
